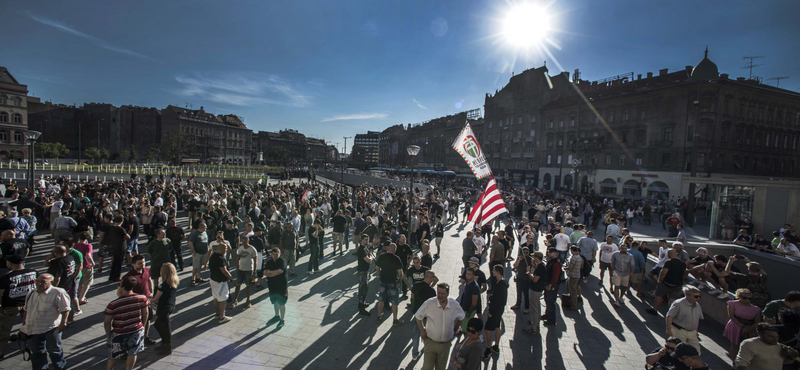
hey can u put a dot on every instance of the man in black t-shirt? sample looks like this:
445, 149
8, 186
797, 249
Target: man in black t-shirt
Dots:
364, 259
416, 273
538, 280
697, 266
661, 358
14, 287
471, 298
63, 267
670, 281
339, 223
404, 252
421, 292
13, 246
219, 280
390, 270
497, 304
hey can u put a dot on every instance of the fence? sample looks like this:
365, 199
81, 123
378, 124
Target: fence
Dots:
239, 172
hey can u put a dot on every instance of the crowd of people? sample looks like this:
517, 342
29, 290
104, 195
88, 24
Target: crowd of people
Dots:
245, 233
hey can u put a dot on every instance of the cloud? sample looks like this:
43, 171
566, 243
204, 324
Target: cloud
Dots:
356, 116
241, 89
419, 104
439, 27
95, 40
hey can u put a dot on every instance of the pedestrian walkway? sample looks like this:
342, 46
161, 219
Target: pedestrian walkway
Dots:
324, 331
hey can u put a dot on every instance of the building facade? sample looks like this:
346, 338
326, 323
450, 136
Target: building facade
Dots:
213, 139
366, 148
13, 117
289, 146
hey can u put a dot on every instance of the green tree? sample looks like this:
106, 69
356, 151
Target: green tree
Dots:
92, 153
58, 150
277, 154
132, 156
43, 150
175, 146
124, 155
104, 154
152, 154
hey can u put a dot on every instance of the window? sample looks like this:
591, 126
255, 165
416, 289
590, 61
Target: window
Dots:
766, 142
667, 134
490, 124
3, 99
561, 123
549, 157
625, 115
641, 136
551, 123
519, 120
641, 114
689, 133
17, 118
724, 134
508, 121
3, 135
17, 102
622, 160
638, 161
777, 140
569, 159
611, 117
533, 133
558, 159
664, 159
608, 159
18, 137
3, 117
572, 121
533, 118
596, 119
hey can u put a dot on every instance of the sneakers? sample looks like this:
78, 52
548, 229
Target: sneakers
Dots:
397, 322
724, 295
78, 313
621, 300
702, 285
149, 341
714, 291
652, 311
363, 312
515, 307
615, 303
487, 354
225, 319
496, 348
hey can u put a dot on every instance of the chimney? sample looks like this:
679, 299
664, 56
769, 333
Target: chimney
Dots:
740, 79
639, 76
723, 76
649, 74
663, 72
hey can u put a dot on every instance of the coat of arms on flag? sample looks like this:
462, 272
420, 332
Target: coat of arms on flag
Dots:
489, 206
466, 144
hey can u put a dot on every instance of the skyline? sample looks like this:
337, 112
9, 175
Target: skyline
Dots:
333, 70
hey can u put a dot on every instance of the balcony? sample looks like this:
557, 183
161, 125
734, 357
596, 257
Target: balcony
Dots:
516, 140
496, 155
515, 155
529, 139
528, 155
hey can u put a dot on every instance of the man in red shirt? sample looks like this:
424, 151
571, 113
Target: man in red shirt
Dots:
144, 286
124, 323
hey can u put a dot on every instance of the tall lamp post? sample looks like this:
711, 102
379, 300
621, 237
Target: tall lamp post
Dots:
412, 150
31, 137
344, 149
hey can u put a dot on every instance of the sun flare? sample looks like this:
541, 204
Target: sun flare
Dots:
525, 25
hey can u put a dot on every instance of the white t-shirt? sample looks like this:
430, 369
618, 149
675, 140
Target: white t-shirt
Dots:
606, 250
246, 256
562, 242
662, 256
56, 208
479, 242
791, 248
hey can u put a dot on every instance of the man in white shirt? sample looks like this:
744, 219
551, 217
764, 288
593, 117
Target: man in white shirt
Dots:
785, 248
562, 245
444, 316
43, 320
613, 230
607, 249
480, 243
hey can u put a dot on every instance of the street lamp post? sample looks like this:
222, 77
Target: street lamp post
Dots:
344, 149
412, 150
31, 137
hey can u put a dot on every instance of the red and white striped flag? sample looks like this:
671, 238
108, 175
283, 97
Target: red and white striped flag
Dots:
489, 206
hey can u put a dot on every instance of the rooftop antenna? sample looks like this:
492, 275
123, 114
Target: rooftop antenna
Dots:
751, 65
778, 80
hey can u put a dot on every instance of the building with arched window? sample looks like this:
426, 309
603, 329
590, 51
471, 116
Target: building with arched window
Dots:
13, 117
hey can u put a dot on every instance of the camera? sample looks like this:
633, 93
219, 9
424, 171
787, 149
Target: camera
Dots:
738, 256
18, 337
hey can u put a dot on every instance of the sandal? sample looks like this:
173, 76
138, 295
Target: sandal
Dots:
193, 284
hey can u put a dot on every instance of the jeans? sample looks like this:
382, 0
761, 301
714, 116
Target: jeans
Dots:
347, 238
415, 336
313, 262
162, 325
550, 304
116, 266
176, 256
363, 280
289, 256
536, 308
522, 292
562, 256
43, 344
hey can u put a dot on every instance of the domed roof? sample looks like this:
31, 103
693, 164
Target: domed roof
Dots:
705, 70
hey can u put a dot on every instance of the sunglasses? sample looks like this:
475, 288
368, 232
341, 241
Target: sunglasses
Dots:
668, 348
696, 296
472, 331
743, 297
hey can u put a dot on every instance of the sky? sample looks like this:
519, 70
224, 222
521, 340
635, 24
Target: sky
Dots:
332, 69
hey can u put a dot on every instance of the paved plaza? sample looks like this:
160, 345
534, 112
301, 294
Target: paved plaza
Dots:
324, 331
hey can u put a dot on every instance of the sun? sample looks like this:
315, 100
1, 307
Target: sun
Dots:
525, 26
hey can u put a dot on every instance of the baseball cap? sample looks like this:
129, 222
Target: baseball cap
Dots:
15, 259
552, 250
684, 350
475, 260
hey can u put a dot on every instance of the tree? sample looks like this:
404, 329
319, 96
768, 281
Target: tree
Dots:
277, 154
132, 156
152, 154
175, 146
58, 150
104, 154
92, 153
124, 155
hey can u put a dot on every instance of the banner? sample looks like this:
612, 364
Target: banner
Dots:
467, 146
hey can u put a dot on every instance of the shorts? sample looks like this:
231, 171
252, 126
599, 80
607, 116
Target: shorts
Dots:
198, 260
665, 291
338, 237
155, 274
656, 271
243, 277
493, 322
605, 266
133, 245
278, 299
121, 345
587, 268
619, 280
219, 291
259, 260
105, 250
389, 291
636, 278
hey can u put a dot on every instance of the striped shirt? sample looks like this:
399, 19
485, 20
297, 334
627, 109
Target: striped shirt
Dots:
126, 313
